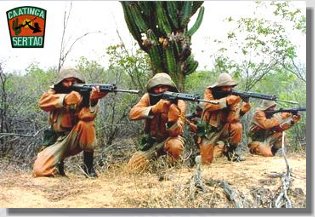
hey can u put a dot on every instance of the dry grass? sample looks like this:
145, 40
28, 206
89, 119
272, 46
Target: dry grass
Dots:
254, 182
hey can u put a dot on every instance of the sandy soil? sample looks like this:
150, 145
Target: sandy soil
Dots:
256, 182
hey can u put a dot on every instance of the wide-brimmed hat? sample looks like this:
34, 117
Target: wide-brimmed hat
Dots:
266, 104
69, 73
161, 79
224, 79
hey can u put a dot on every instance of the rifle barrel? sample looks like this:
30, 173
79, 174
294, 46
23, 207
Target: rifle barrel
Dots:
254, 95
127, 91
287, 101
292, 110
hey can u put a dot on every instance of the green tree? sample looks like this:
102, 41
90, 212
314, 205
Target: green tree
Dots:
257, 46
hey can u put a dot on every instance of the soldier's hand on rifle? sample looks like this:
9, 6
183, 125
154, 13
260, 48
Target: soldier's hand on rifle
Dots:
193, 127
285, 115
173, 113
246, 107
161, 107
232, 99
245, 99
96, 94
296, 118
73, 98
286, 124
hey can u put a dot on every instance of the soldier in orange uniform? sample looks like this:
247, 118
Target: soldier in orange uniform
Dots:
72, 127
265, 133
164, 121
222, 126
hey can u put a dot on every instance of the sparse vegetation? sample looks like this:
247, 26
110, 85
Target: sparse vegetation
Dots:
255, 183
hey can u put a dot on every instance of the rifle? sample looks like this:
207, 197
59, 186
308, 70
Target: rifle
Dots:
245, 95
85, 90
173, 96
293, 111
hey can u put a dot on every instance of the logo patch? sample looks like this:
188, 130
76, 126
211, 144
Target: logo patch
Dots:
27, 26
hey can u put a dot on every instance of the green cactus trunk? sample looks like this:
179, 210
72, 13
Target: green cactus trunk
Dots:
161, 30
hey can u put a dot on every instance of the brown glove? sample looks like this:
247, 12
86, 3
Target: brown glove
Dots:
246, 107
173, 113
161, 107
296, 118
232, 99
286, 124
96, 94
73, 98
193, 127
285, 115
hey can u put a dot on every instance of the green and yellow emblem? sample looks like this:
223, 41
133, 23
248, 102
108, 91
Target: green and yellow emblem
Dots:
27, 26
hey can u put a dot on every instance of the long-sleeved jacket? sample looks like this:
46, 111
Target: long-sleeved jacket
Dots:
263, 126
62, 117
219, 114
156, 124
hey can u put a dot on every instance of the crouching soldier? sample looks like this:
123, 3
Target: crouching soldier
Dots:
265, 133
72, 127
222, 127
164, 123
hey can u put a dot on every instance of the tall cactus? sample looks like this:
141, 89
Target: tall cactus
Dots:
161, 30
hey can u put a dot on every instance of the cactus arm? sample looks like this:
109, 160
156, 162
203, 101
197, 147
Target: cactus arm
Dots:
187, 13
196, 6
172, 12
163, 22
132, 26
198, 22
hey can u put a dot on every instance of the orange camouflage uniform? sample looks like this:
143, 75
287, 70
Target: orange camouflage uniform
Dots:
265, 133
75, 129
224, 125
156, 126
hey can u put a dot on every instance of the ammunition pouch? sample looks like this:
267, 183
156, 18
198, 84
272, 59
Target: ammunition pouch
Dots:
50, 137
203, 129
146, 143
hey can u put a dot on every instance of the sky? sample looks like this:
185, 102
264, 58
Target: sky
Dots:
103, 19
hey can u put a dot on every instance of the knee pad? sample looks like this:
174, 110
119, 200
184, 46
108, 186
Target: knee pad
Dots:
174, 147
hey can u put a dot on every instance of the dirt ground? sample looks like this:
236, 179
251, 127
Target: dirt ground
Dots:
255, 183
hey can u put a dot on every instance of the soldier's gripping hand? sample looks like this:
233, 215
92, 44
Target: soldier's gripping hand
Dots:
285, 115
96, 94
296, 118
173, 113
232, 99
73, 98
246, 107
286, 124
161, 107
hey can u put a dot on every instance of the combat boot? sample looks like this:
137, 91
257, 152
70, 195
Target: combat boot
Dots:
233, 155
274, 150
88, 167
61, 168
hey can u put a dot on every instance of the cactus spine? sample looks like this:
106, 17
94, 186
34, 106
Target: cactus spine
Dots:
161, 30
